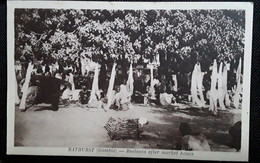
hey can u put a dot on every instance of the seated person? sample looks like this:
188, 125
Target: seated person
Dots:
121, 98
192, 141
84, 95
66, 95
165, 98
115, 99
96, 102
124, 98
146, 95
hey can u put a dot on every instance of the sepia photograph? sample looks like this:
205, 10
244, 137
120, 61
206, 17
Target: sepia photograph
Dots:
161, 82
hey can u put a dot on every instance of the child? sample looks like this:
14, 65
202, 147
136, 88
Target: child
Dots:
66, 95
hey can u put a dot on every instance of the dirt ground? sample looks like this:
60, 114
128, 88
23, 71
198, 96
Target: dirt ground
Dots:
81, 127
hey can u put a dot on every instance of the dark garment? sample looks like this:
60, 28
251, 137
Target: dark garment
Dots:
84, 97
235, 132
47, 69
49, 89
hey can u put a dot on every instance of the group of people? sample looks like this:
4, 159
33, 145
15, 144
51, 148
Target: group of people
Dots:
88, 89
117, 89
195, 141
218, 95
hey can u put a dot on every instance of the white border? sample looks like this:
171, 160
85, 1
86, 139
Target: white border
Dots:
219, 156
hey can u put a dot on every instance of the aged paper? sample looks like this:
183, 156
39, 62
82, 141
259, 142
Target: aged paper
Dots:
129, 79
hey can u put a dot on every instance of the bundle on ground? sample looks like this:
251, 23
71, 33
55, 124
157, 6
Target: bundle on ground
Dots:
119, 129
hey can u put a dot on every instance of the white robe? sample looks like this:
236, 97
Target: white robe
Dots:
152, 91
221, 93
166, 99
175, 87
83, 66
124, 94
213, 90
26, 86
196, 86
111, 86
17, 99
225, 91
130, 80
95, 90
71, 80
238, 87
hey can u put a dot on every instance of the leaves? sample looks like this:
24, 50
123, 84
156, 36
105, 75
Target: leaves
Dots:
130, 34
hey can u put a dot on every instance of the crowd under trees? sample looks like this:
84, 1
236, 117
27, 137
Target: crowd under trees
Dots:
174, 39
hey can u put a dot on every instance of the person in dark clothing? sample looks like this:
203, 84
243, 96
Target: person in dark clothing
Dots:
49, 90
89, 80
84, 95
235, 132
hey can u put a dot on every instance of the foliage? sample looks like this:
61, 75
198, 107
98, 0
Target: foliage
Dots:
177, 36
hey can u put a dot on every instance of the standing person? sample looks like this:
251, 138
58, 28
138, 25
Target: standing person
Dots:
49, 90
196, 86
221, 92
213, 90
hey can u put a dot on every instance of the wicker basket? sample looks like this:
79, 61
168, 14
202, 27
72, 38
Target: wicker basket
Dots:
119, 129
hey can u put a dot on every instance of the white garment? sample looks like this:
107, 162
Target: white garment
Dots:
152, 91
83, 66
124, 94
130, 80
26, 85
166, 99
66, 94
95, 90
221, 93
75, 95
175, 87
71, 80
58, 76
111, 86
17, 99
225, 91
213, 91
238, 87
56, 66
196, 86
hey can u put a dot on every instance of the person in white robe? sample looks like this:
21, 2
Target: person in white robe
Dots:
213, 91
110, 93
95, 97
165, 98
225, 90
152, 90
26, 86
221, 92
130, 80
17, 99
124, 98
71, 80
196, 86
66, 95
237, 95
